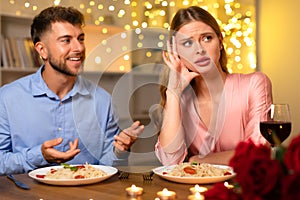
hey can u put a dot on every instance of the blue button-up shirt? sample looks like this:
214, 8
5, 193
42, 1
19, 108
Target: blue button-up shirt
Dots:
30, 114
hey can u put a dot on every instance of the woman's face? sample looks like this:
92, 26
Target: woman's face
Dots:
198, 46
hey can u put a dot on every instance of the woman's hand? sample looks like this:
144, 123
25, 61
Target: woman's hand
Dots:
179, 76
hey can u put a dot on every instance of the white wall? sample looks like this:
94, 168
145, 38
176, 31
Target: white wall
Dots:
279, 52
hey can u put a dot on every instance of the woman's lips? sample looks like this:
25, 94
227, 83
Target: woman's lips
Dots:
202, 61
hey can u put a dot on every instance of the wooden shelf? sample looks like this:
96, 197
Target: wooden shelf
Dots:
12, 69
133, 90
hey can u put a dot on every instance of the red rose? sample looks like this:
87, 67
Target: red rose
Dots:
260, 177
292, 155
290, 187
220, 192
252, 197
246, 150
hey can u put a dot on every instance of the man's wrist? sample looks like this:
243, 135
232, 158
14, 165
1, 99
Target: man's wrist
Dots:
121, 154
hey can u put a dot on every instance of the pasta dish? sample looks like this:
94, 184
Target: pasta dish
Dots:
198, 170
73, 172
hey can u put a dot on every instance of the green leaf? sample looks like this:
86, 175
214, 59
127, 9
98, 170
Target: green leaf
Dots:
194, 163
65, 165
68, 166
74, 168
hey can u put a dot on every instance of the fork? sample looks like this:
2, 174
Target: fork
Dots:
148, 176
17, 182
123, 175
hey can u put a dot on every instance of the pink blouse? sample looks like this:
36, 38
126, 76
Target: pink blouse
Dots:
245, 97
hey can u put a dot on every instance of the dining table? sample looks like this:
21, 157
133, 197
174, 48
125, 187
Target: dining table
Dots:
109, 189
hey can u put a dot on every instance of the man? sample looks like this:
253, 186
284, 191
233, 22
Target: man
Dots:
55, 115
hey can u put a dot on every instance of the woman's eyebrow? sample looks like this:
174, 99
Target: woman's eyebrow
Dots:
191, 37
185, 39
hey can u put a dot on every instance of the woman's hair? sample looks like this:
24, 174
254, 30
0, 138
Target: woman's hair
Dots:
42, 22
183, 17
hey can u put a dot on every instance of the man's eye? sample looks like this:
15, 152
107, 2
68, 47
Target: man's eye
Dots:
65, 40
81, 39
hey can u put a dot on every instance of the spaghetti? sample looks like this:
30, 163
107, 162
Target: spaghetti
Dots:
75, 172
198, 170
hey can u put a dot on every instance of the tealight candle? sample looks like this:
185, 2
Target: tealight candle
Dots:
166, 194
196, 196
134, 190
198, 188
229, 186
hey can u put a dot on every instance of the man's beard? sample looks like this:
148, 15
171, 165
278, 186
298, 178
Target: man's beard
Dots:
61, 68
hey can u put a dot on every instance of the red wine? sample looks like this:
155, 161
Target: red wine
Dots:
271, 129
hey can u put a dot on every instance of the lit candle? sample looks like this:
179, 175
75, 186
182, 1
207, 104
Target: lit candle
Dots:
134, 190
198, 188
196, 196
229, 186
166, 194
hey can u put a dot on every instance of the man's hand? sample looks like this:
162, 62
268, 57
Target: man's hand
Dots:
54, 156
128, 136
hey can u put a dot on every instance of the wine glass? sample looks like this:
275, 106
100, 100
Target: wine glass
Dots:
276, 125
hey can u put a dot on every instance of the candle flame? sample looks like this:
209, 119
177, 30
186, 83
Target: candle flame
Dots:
134, 188
200, 189
198, 196
226, 184
166, 192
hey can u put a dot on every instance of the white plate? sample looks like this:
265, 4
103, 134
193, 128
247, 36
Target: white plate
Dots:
110, 171
192, 180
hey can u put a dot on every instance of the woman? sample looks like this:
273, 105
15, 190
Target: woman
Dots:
206, 111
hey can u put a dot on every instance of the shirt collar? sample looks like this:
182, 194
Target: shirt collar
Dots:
40, 88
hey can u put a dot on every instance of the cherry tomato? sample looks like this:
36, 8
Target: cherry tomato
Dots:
79, 177
40, 176
189, 170
227, 173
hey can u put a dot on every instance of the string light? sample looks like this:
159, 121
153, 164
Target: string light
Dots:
236, 20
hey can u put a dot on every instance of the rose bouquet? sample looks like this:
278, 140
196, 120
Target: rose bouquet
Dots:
261, 177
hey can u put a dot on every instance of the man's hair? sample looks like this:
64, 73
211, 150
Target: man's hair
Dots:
42, 22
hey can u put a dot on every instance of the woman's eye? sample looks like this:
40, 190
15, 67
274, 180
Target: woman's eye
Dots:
187, 43
207, 38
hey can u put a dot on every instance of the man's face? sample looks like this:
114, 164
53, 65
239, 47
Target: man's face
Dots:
65, 48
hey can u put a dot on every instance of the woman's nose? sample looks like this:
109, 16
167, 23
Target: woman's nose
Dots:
199, 48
